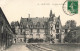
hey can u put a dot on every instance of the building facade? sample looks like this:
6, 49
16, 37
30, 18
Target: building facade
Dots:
46, 28
6, 33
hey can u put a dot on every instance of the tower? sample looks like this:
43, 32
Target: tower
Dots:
52, 26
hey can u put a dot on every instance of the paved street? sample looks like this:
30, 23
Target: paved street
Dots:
18, 48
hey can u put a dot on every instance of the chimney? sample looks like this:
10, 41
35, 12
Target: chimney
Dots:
43, 16
28, 15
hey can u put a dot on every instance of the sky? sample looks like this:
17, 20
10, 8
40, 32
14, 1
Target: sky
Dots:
15, 9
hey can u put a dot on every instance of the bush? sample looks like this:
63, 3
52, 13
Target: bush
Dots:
70, 37
31, 40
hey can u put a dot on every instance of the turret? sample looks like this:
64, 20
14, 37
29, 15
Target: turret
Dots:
50, 13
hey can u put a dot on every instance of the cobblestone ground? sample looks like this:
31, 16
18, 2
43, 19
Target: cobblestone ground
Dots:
18, 48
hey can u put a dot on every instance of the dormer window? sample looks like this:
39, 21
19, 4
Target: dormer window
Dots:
38, 24
27, 19
43, 26
57, 24
31, 26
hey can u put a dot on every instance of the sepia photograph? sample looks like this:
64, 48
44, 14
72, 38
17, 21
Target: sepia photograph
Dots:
39, 25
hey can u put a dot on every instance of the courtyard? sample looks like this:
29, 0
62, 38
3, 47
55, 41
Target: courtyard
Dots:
44, 47
17, 47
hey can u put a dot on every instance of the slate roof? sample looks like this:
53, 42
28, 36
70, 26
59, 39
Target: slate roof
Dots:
33, 21
40, 22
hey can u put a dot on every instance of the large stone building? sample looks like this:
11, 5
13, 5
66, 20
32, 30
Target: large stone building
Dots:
46, 28
6, 33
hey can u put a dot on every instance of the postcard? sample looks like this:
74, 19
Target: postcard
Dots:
39, 25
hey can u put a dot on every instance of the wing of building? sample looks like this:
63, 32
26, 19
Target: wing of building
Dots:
6, 33
46, 28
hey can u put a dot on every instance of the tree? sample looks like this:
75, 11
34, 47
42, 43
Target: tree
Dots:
70, 36
13, 26
71, 24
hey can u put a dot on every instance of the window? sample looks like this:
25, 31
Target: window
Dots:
57, 30
52, 35
51, 28
38, 30
31, 30
27, 19
66, 30
43, 26
57, 24
38, 24
57, 36
14, 40
20, 40
31, 26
